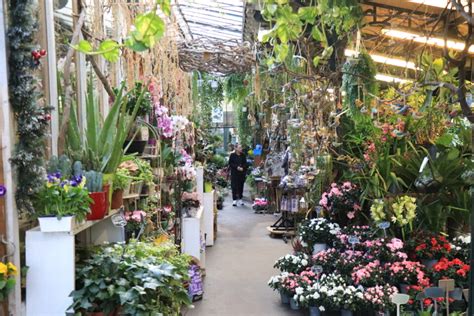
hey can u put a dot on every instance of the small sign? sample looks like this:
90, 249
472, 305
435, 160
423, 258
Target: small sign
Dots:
384, 225
317, 269
217, 115
353, 240
400, 299
447, 285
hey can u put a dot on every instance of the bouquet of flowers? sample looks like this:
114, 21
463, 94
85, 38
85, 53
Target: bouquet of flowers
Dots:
318, 230
341, 202
378, 298
293, 263
452, 269
407, 272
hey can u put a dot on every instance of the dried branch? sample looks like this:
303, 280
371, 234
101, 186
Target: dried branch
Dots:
460, 9
67, 84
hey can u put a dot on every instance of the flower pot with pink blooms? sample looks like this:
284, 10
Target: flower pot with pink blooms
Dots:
341, 203
135, 221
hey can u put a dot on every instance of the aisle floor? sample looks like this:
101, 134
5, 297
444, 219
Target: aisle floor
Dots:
239, 265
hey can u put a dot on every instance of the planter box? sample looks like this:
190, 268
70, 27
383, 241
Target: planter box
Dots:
54, 225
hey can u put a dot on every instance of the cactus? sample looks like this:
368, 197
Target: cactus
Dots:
53, 165
64, 166
93, 181
77, 169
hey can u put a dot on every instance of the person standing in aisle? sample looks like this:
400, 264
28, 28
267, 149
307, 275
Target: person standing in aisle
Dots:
238, 172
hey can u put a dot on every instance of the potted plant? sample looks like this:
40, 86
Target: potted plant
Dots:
318, 233
293, 263
121, 187
135, 221
97, 194
60, 202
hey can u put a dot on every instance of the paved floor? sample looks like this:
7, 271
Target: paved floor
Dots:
239, 265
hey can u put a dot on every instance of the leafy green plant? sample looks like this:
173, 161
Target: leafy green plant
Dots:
145, 172
142, 278
100, 146
122, 179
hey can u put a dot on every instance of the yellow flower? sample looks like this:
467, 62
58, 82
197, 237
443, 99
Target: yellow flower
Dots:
83, 182
3, 269
49, 184
12, 268
66, 188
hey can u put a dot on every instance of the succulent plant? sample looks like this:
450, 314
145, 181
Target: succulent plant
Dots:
93, 181
77, 169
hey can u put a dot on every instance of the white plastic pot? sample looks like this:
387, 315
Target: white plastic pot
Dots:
55, 225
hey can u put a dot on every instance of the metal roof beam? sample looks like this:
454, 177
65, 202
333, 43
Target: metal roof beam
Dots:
216, 26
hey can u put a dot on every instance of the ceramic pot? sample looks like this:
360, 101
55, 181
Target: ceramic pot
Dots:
53, 224
294, 304
346, 312
285, 298
314, 311
429, 263
98, 206
317, 248
117, 199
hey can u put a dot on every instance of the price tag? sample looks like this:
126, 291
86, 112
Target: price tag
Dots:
384, 225
317, 269
353, 240
318, 210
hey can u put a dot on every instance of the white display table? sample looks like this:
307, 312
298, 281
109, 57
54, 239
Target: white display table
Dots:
208, 205
52, 262
193, 240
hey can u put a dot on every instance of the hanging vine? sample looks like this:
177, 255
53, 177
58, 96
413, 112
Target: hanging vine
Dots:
31, 118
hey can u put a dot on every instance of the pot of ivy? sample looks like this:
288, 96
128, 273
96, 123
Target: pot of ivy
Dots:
97, 194
121, 186
61, 201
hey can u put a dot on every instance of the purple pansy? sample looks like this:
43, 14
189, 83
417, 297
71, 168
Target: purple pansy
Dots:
3, 190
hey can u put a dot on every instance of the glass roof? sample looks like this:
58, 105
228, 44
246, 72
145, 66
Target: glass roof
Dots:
220, 20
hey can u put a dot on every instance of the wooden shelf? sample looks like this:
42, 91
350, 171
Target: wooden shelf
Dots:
131, 196
83, 226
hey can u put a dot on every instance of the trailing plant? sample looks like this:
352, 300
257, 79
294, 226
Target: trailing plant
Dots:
32, 119
148, 29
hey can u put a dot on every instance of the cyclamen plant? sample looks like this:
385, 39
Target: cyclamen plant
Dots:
293, 263
341, 202
318, 230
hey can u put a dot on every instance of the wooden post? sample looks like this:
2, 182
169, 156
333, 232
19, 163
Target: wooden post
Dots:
47, 41
81, 72
8, 211
99, 32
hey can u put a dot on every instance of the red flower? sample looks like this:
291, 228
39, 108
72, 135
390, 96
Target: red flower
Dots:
461, 272
427, 301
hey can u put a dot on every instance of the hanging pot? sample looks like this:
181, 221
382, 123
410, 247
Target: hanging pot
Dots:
314, 311
98, 206
294, 304
318, 247
285, 298
117, 199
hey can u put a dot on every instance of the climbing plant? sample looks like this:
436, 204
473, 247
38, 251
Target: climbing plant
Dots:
210, 95
32, 119
237, 89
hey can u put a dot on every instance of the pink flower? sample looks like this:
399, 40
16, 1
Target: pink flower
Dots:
350, 215
335, 191
357, 207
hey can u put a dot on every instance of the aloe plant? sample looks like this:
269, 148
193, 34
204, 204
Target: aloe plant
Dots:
100, 145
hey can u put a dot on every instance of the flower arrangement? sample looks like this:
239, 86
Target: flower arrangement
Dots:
61, 197
378, 298
135, 220
190, 199
407, 272
318, 230
293, 263
7, 279
341, 202
452, 269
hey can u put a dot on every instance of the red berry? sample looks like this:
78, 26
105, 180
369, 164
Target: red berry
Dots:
42, 52
47, 117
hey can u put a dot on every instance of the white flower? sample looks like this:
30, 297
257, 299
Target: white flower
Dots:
304, 244
321, 308
299, 290
316, 295
304, 262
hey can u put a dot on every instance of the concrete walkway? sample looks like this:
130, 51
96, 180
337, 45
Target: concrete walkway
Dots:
239, 265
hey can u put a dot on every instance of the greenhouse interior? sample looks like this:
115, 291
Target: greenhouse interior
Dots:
236, 157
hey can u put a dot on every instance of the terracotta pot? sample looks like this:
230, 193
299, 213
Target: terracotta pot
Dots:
98, 206
117, 199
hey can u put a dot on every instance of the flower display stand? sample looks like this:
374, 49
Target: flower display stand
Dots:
52, 262
200, 182
193, 240
208, 205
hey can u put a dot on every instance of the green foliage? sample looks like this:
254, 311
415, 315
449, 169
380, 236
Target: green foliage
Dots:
100, 147
32, 119
122, 179
146, 105
148, 29
312, 22
145, 172
209, 98
143, 278
358, 81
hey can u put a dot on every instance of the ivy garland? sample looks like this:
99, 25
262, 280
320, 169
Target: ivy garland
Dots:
31, 118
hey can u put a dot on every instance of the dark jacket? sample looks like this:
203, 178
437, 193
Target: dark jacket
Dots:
236, 161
